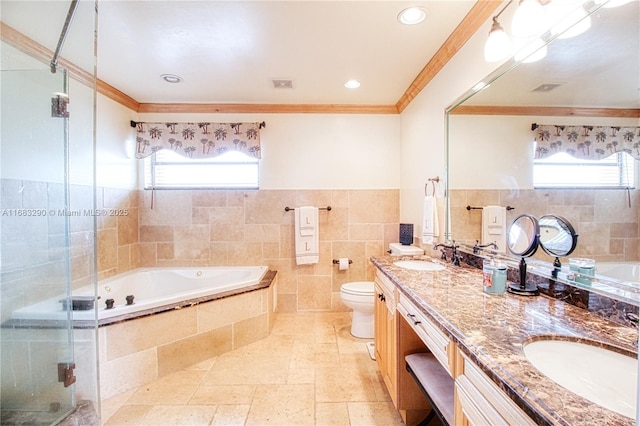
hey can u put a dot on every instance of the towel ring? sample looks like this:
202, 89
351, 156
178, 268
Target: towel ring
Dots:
433, 186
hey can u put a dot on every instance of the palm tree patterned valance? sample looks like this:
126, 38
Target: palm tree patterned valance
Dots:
198, 140
586, 142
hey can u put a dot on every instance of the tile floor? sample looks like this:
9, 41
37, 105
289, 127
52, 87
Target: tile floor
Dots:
309, 371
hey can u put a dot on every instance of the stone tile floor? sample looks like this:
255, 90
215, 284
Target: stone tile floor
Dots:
309, 371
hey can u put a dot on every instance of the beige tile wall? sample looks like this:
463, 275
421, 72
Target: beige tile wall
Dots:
207, 228
133, 353
607, 221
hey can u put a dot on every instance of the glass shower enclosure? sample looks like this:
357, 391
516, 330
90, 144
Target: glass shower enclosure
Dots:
34, 247
48, 369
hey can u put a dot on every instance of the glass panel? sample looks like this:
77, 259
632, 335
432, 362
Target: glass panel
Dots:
34, 246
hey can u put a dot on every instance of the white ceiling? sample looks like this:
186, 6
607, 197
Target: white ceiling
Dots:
229, 51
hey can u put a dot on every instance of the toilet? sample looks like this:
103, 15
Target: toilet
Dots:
359, 297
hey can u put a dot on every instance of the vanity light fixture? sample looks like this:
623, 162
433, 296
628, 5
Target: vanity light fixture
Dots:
171, 78
529, 20
352, 84
412, 15
498, 45
531, 23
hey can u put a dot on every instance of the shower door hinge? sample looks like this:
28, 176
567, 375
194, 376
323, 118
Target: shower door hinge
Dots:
65, 373
59, 104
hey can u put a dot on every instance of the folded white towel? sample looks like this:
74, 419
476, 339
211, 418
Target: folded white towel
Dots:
494, 226
306, 235
430, 226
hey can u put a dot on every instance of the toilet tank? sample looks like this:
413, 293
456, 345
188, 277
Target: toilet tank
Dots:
398, 249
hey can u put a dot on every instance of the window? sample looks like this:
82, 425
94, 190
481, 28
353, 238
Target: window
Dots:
166, 169
565, 171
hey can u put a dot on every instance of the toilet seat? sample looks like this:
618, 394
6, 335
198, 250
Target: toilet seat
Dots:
358, 288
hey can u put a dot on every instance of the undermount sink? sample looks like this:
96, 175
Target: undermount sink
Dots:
419, 265
601, 375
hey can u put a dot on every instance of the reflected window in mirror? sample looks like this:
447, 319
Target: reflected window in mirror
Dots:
565, 171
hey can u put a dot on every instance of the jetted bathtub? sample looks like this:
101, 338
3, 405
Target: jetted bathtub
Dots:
151, 288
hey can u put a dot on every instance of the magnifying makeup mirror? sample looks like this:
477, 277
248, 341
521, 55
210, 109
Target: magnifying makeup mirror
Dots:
522, 240
557, 238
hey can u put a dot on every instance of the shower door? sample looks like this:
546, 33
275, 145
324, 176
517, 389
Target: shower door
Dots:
36, 355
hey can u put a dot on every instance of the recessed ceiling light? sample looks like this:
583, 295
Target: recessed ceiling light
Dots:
352, 84
412, 15
171, 78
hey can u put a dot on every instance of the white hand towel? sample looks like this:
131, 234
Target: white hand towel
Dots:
494, 227
430, 226
306, 235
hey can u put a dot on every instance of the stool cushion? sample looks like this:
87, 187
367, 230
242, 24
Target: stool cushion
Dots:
434, 380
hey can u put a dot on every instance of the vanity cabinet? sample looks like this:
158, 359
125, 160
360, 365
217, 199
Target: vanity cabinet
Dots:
436, 341
393, 341
481, 402
385, 336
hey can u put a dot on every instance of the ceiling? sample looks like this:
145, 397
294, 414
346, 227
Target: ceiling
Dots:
230, 51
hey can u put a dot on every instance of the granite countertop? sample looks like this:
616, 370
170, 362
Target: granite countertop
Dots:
491, 330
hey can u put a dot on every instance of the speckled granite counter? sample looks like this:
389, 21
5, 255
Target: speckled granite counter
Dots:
491, 329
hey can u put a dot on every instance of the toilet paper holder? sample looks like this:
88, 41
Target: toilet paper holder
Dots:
336, 261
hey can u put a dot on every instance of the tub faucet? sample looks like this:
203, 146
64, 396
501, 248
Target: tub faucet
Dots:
477, 247
455, 259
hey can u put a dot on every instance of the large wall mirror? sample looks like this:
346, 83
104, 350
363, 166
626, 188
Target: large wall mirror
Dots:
592, 79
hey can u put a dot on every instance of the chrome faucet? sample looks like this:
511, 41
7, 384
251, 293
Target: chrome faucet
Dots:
477, 247
455, 259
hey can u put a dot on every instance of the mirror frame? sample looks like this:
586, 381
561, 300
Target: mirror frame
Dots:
564, 223
534, 240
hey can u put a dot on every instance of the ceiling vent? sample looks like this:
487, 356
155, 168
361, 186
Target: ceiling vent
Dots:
547, 87
282, 84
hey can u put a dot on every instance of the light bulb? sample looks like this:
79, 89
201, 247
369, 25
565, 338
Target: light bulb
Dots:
529, 19
498, 45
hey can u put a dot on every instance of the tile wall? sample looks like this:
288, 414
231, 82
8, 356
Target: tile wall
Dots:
229, 227
134, 353
607, 221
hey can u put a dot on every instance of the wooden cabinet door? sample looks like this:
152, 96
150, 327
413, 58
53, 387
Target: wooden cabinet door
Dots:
391, 377
380, 330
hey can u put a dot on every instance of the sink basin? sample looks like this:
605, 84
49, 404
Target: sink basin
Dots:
419, 265
598, 374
